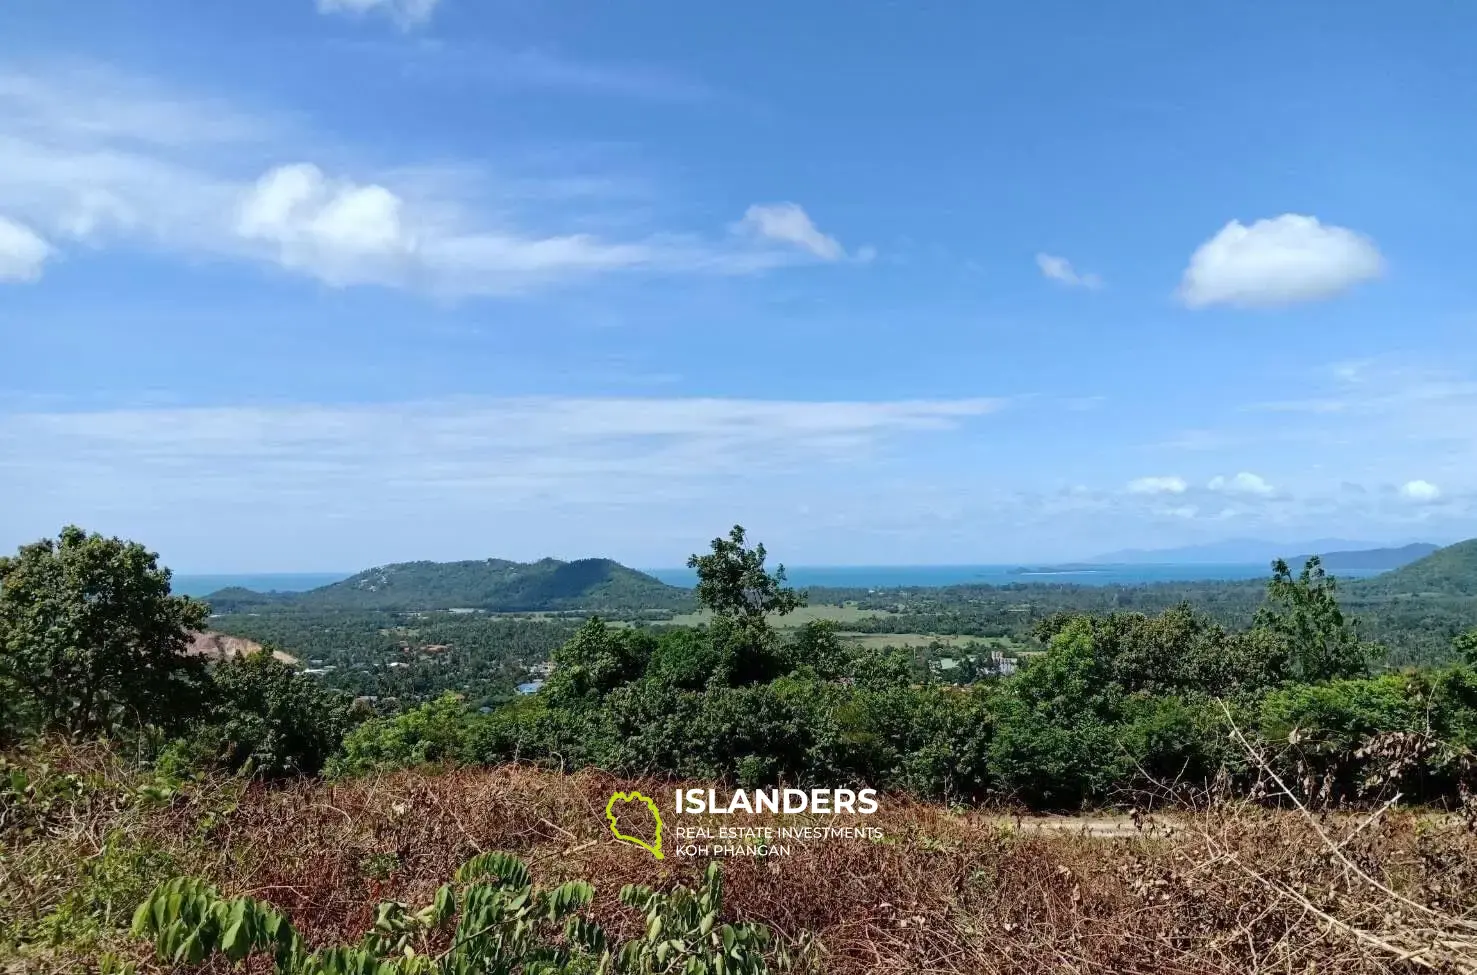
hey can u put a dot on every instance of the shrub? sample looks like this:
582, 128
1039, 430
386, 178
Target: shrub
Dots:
437, 731
491, 918
272, 717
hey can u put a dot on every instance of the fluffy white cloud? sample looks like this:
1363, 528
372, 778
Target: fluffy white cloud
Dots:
404, 12
340, 231
1242, 483
22, 252
1157, 485
1281, 261
788, 223
1060, 269
346, 233
1420, 491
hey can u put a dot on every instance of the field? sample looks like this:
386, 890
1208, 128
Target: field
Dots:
929, 639
1234, 889
848, 613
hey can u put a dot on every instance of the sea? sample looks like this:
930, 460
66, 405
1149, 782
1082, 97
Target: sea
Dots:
904, 576
837, 576
204, 585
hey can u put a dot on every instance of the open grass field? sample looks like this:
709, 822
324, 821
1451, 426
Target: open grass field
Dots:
928, 639
849, 613
1231, 890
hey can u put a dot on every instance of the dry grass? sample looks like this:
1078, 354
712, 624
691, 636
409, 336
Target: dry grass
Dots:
1229, 889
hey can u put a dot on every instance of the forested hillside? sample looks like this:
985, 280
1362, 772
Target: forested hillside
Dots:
1451, 571
492, 585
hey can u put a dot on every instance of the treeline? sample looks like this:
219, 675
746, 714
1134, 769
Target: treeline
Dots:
93, 644
409, 657
1119, 703
1415, 629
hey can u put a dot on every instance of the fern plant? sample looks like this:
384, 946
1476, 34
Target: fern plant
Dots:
496, 921
503, 924
683, 934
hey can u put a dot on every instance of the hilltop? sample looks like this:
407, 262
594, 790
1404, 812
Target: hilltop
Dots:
1450, 571
492, 585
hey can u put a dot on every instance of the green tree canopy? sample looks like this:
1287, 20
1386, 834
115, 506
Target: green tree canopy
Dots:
1466, 646
273, 716
732, 581
91, 637
1304, 612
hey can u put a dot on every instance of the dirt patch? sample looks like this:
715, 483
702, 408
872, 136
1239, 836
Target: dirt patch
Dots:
219, 646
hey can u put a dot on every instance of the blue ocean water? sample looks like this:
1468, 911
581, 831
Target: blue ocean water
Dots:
204, 585
838, 576
901, 576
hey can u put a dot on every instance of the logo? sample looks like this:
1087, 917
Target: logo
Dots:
655, 846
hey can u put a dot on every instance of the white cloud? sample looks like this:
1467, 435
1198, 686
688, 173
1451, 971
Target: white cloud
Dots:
406, 13
192, 178
1281, 261
789, 223
340, 231
1242, 483
1060, 269
22, 252
572, 450
1157, 485
1420, 491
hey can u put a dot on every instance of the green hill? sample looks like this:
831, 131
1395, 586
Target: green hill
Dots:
1449, 571
494, 585
239, 599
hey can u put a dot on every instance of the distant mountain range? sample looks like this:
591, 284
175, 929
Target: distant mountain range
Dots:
492, 585
602, 585
1338, 554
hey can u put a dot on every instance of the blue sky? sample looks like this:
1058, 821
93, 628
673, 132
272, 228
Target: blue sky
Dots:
317, 284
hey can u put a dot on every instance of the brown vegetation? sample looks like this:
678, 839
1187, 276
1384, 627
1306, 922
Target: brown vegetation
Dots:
1231, 889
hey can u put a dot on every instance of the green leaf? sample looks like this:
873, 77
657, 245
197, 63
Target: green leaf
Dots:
234, 943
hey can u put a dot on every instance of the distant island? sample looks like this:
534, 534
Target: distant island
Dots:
491, 585
1337, 555
1065, 569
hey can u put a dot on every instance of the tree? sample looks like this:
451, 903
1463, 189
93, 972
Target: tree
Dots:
1466, 646
270, 714
732, 581
595, 661
1304, 612
1055, 742
91, 638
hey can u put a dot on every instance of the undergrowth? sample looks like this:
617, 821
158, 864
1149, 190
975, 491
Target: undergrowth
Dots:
1231, 887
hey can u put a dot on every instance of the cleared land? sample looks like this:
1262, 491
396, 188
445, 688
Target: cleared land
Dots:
1235, 889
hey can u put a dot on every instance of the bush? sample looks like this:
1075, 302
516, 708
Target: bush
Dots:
440, 730
269, 716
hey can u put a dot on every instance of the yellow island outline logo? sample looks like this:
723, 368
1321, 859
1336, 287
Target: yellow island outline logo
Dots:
655, 847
